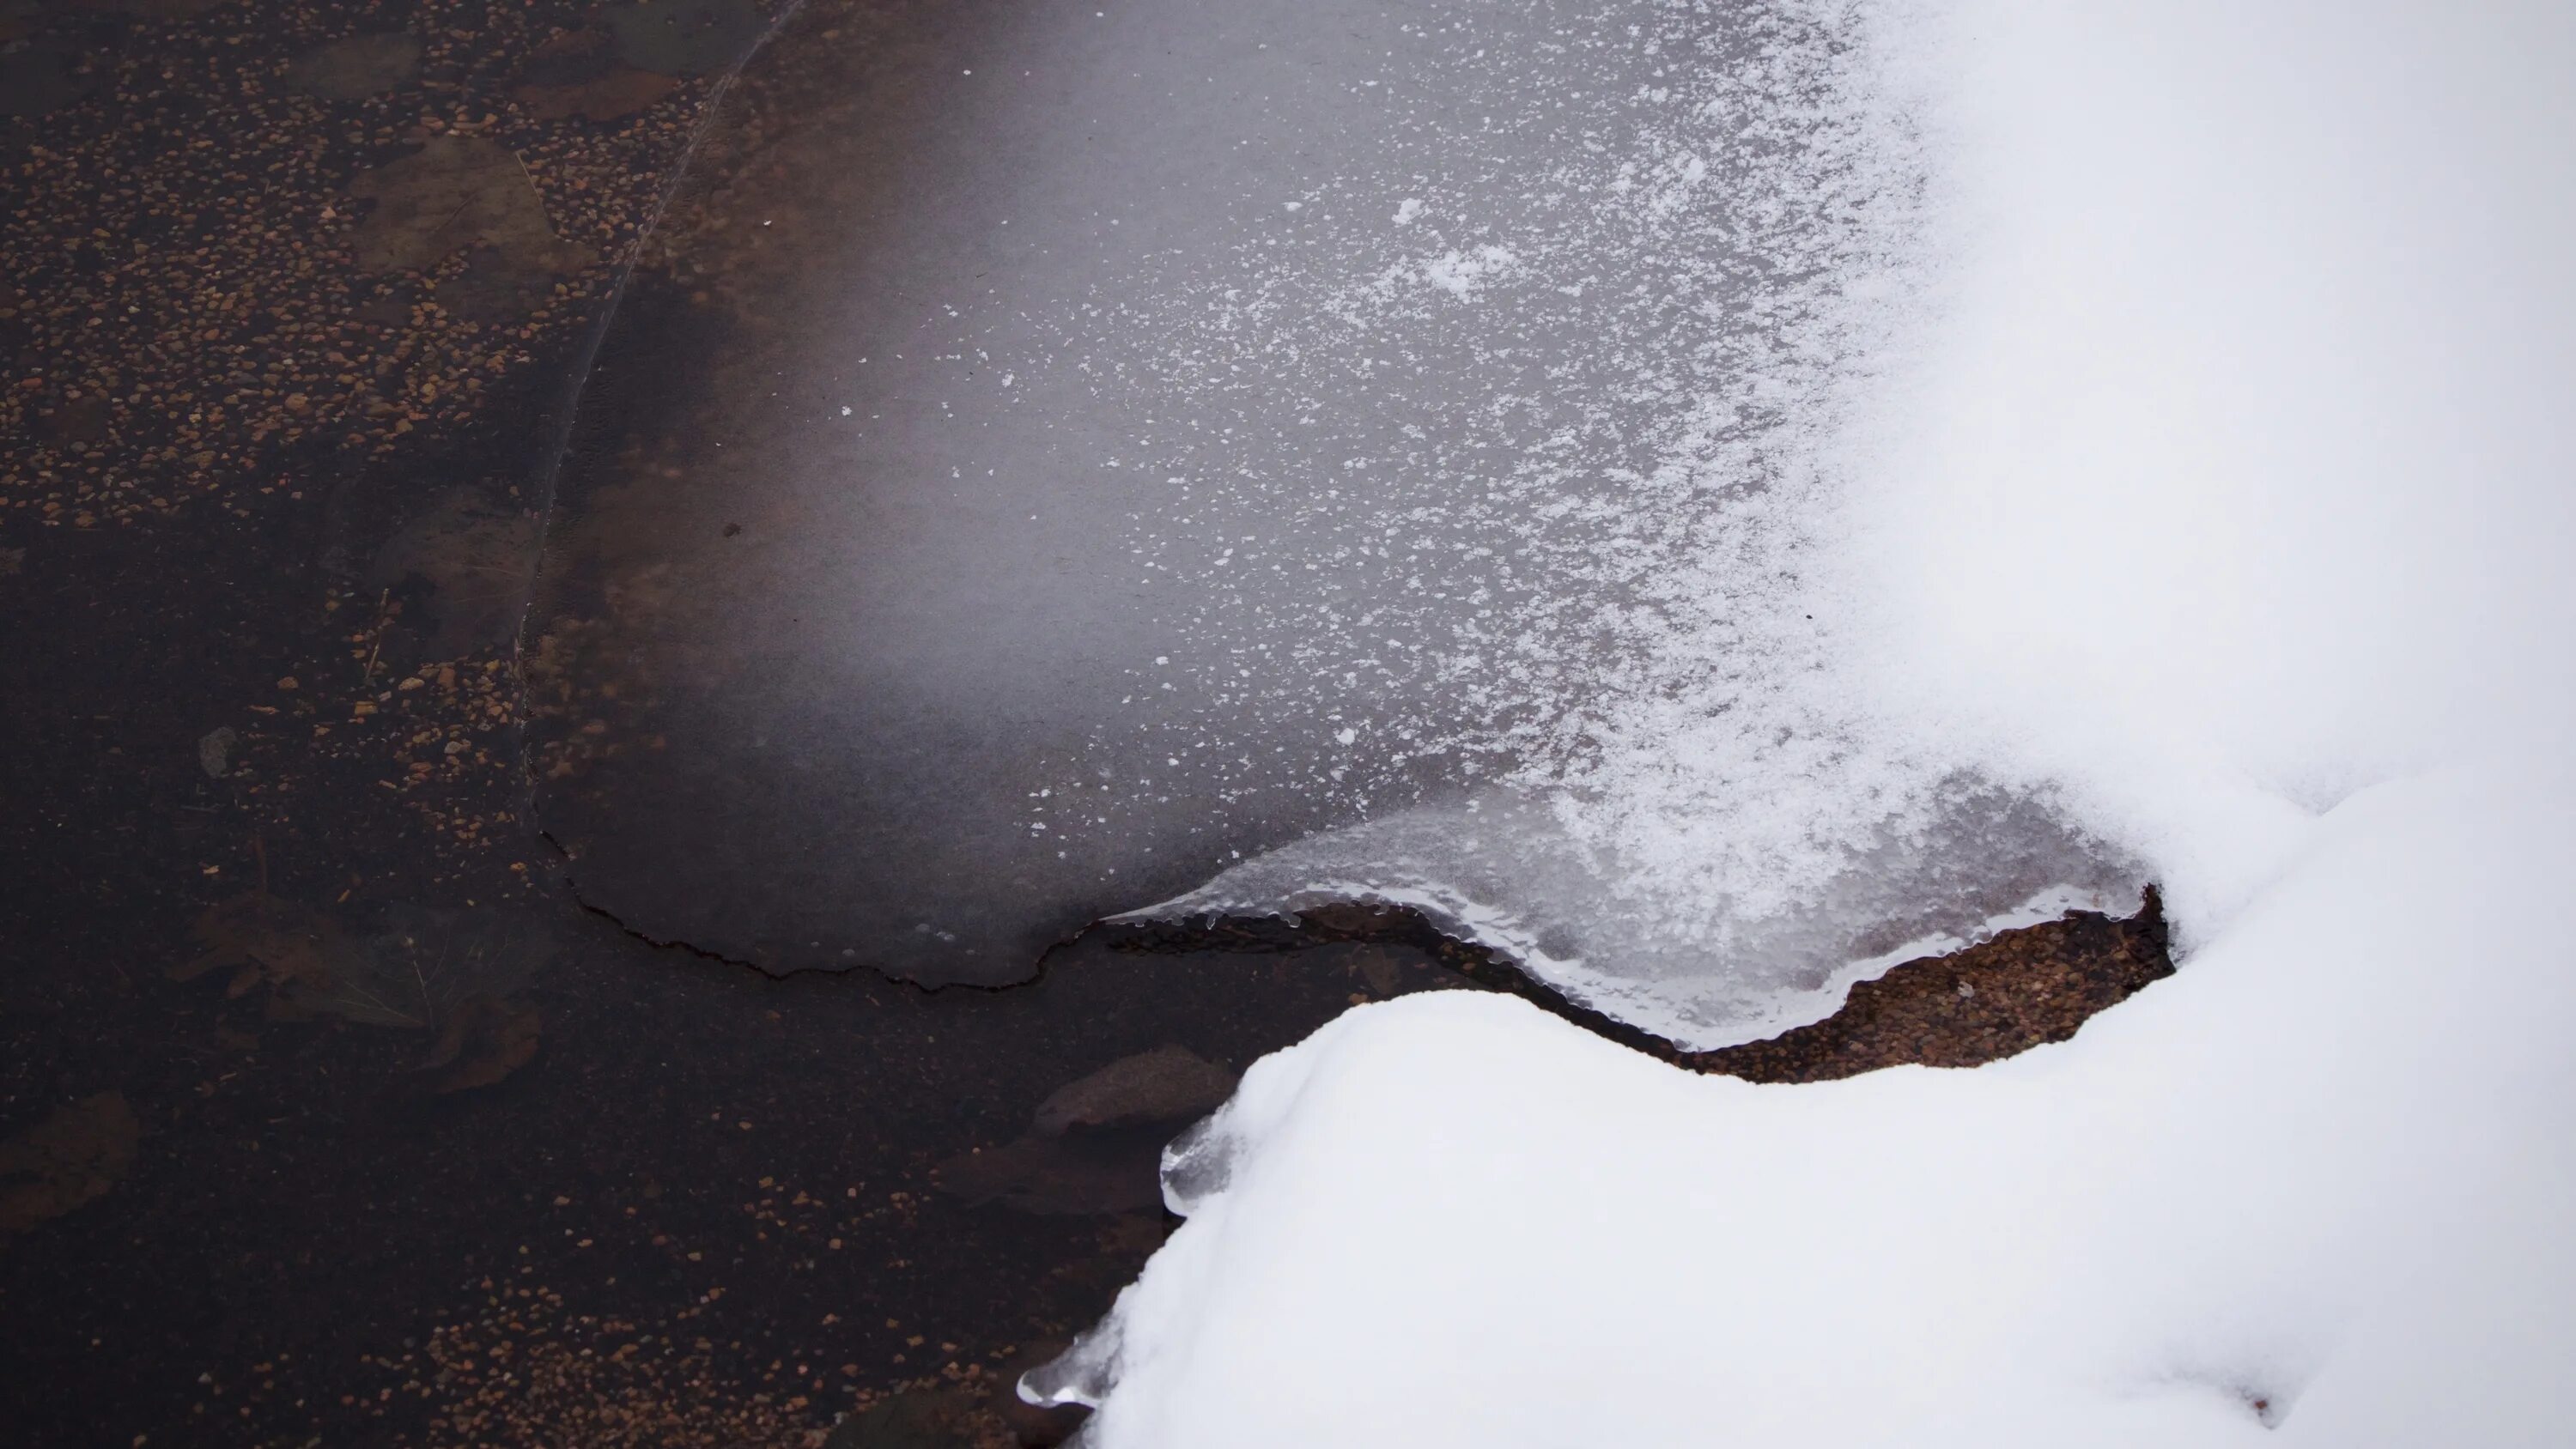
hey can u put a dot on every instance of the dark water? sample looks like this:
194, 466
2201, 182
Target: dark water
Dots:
300, 1192
307, 1049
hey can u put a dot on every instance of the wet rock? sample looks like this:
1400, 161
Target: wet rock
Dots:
267, 941
569, 58
1380, 967
454, 192
1167, 1084
921, 1419
684, 37
495, 287
215, 751
37, 76
578, 73
1096, 1145
356, 68
69, 1158
484, 1041
622, 92
1082, 1289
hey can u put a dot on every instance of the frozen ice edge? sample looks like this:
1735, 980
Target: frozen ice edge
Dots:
1475, 922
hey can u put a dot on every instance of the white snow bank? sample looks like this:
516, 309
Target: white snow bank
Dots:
2234, 470
2221, 499
2312, 1171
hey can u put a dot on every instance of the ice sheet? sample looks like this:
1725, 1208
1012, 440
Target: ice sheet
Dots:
1221, 427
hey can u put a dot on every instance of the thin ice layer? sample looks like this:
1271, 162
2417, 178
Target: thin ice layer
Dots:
1506, 870
1213, 427
1601, 590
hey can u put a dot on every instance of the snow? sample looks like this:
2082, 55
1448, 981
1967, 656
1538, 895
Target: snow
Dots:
2309, 1171
2283, 366
2177, 481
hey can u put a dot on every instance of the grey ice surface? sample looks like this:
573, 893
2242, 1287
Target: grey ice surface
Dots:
1218, 424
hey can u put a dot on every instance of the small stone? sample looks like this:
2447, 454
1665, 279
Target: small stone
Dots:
214, 751
614, 96
454, 192
1167, 1084
568, 58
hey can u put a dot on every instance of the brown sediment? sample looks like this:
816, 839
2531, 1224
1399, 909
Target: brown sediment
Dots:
1993, 1000
291, 274
193, 296
525, 1369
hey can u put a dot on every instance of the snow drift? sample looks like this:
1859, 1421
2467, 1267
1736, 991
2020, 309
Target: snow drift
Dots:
2308, 1188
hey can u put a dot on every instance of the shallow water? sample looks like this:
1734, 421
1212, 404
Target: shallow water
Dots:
307, 1065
